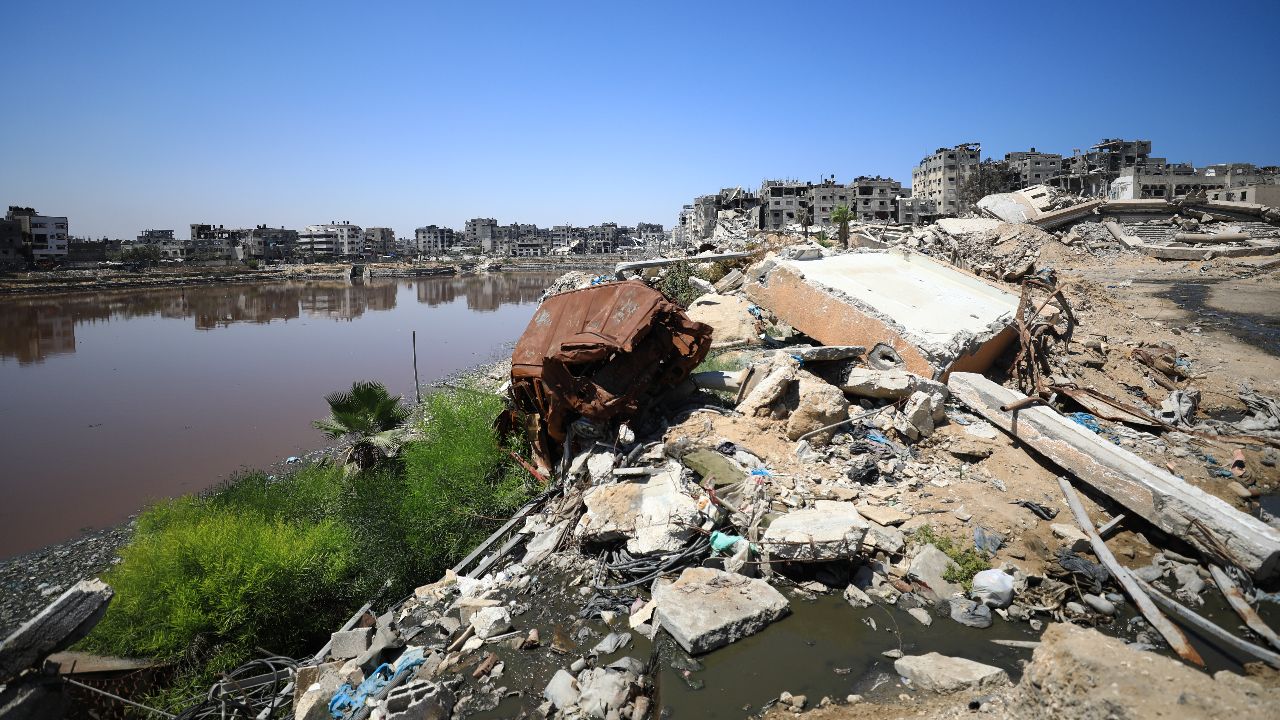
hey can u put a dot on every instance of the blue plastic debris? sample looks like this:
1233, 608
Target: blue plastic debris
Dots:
761, 472
877, 437
1086, 419
348, 700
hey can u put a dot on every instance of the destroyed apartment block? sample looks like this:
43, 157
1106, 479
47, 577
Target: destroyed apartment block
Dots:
930, 317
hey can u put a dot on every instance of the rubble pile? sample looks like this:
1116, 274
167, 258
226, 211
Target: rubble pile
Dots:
864, 442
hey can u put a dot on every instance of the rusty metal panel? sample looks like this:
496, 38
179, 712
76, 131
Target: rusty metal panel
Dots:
598, 353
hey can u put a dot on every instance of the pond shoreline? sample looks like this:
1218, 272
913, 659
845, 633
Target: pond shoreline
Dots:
32, 580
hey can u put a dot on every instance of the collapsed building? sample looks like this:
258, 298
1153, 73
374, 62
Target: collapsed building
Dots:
926, 428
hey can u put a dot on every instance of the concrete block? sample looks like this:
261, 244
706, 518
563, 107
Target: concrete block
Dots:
706, 609
830, 531
346, 644
942, 674
936, 317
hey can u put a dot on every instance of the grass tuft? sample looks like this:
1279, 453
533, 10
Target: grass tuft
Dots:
969, 560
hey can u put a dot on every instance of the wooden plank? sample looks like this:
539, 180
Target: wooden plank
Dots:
1171, 633
1211, 630
61, 623
1164, 500
1235, 598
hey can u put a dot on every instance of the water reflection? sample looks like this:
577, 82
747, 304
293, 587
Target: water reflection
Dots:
35, 329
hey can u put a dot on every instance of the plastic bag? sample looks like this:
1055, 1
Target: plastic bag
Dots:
993, 588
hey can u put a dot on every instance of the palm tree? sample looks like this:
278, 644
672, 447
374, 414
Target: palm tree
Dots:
371, 418
842, 215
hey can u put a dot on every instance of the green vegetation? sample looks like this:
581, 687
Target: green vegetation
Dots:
722, 361
991, 176
675, 284
279, 563
142, 254
841, 216
969, 560
462, 480
369, 416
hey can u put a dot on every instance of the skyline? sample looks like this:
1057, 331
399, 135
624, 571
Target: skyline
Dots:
156, 116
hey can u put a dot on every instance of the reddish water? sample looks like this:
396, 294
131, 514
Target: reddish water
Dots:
111, 400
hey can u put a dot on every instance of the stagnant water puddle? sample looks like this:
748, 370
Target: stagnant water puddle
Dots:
825, 647
1260, 329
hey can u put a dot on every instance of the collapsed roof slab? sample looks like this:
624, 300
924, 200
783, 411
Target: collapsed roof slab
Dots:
936, 317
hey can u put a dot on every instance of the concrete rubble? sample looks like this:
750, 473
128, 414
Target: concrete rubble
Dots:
879, 436
705, 609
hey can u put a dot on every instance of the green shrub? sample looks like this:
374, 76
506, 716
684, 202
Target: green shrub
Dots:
198, 572
969, 560
459, 481
280, 563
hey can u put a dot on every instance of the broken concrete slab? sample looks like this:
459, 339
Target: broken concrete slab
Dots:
943, 674
1034, 205
886, 538
731, 281
936, 317
1166, 501
827, 353
652, 516
346, 644
1071, 537
705, 609
915, 421
965, 226
419, 700
714, 467
731, 321
818, 405
62, 623
883, 514
829, 531
1208, 252
927, 569
490, 621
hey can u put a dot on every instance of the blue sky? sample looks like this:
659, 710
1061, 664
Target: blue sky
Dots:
135, 115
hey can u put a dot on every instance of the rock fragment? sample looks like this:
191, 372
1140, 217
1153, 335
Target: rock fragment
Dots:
943, 674
705, 609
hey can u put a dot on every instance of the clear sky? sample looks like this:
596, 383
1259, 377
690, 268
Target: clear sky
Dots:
132, 115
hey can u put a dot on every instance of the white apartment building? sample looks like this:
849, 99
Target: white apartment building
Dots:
48, 235
939, 176
343, 239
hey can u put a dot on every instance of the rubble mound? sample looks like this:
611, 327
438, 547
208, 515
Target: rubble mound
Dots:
1007, 251
1083, 674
